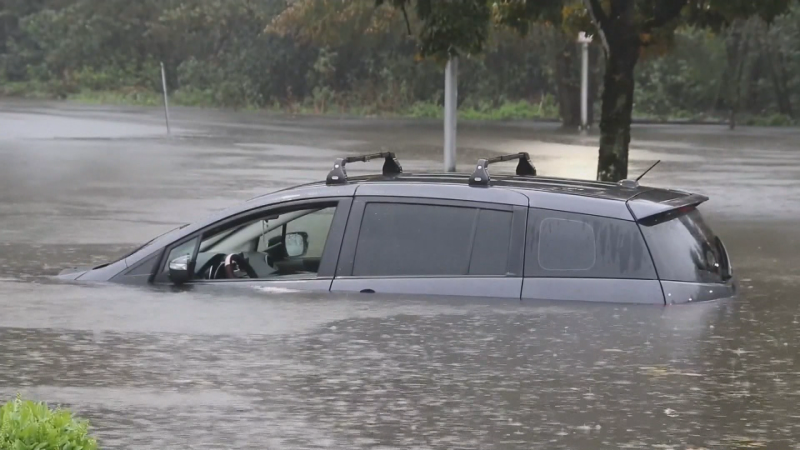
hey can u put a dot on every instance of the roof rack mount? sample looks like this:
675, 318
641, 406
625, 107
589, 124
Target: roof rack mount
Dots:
338, 175
480, 177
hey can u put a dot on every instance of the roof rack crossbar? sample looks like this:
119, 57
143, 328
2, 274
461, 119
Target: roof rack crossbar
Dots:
338, 175
481, 175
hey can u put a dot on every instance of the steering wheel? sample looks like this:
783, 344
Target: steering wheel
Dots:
236, 262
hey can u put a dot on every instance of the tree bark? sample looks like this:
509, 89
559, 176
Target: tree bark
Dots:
618, 87
617, 111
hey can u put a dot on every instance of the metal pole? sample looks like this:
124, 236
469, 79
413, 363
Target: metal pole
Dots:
585, 87
450, 113
166, 100
584, 40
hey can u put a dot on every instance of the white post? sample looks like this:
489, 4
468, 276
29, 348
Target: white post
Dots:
584, 40
450, 113
166, 101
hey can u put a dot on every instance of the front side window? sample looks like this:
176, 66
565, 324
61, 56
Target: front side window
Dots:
686, 249
399, 239
182, 251
288, 244
567, 245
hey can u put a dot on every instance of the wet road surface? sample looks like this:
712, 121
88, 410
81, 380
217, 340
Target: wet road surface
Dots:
246, 369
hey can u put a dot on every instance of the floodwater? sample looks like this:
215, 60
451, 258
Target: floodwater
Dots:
246, 369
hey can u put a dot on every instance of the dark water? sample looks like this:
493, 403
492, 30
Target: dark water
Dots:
248, 369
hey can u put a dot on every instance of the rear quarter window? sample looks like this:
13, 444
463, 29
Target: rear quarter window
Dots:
685, 248
567, 245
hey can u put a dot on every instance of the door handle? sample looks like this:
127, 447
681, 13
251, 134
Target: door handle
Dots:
367, 291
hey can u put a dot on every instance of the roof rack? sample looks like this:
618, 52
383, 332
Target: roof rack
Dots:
481, 175
338, 175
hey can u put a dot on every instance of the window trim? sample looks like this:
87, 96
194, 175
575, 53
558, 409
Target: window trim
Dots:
330, 254
349, 248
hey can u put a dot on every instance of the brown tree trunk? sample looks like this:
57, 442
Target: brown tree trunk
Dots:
617, 110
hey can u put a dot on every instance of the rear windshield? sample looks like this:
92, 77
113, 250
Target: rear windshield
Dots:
685, 248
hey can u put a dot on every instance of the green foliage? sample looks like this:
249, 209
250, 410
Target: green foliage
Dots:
461, 27
25, 425
508, 110
349, 57
547, 108
773, 120
450, 28
425, 110
689, 78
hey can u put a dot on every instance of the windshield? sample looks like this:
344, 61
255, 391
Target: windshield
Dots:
151, 240
685, 248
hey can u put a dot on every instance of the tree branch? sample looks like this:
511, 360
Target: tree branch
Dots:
405, 16
597, 11
669, 11
600, 20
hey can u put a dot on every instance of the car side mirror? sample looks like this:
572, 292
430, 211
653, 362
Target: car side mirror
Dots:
179, 272
296, 244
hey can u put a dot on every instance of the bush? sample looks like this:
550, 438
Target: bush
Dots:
25, 425
425, 110
774, 120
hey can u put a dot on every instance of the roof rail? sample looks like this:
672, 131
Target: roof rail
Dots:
481, 175
338, 175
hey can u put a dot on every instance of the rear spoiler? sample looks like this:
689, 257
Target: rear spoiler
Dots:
650, 208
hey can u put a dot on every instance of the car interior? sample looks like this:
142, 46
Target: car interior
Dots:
278, 245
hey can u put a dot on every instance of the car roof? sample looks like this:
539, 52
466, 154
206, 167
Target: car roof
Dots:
585, 188
626, 200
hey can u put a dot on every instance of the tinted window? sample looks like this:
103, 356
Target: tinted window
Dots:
144, 268
566, 244
685, 249
492, 238
403, 239
575, 245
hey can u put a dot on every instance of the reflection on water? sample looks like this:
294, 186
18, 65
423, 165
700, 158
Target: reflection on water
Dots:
148, 367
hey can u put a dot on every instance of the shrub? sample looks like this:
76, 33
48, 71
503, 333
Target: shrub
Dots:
774, 120
26, 425
426, 110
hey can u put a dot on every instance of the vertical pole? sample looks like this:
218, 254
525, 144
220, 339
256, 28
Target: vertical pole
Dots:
585, 85
450, 113
166, 100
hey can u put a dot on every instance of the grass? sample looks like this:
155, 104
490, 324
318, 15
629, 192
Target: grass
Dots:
773, 120
508, 110
29, 425
547, 109
116, 98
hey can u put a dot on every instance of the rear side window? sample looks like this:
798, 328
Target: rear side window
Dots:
685, 248
399, 239
566, 245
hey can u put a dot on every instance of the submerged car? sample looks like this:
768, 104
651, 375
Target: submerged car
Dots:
520, 236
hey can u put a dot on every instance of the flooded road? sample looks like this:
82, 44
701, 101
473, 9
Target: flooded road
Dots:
245, 369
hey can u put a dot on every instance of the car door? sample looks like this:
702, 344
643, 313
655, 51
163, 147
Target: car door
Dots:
293, 245
412, 245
